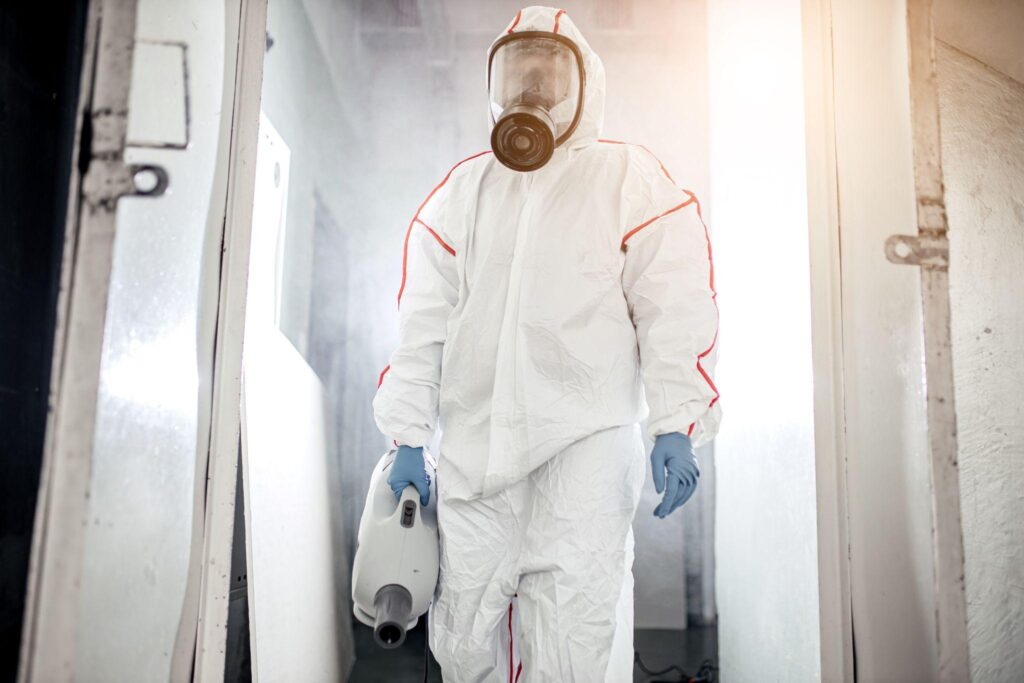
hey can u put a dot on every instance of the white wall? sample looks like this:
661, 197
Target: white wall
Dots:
983, 164
766, 543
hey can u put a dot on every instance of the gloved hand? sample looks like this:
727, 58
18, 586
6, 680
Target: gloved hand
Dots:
408, 469
672, 459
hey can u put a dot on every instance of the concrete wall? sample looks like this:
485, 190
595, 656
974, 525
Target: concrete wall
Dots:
766, 543
983, 163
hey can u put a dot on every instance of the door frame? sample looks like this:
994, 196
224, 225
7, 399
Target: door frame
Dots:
828, 29
834, 600
51, 605
52, 616
250, 28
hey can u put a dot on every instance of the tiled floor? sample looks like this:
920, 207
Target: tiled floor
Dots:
658, 650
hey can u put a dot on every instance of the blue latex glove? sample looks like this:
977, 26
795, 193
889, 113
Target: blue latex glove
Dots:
675, 471
408, 469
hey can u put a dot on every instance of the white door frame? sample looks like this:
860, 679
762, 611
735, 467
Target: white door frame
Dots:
251, 28
834, 610
928, 249
52, 615
835, 363
50, 624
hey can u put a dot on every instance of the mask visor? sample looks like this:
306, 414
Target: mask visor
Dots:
535, 71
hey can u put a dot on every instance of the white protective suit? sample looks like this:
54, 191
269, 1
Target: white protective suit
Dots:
536, 312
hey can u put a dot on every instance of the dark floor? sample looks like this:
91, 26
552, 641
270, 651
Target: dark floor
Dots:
401, 665
658, 650
688, 649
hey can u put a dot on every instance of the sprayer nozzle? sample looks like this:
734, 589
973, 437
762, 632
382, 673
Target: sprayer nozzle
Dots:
393, 608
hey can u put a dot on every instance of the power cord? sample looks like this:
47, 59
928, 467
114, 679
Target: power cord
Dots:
705, 674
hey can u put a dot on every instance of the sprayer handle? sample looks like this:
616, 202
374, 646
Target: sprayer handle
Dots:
409, 493
409, 467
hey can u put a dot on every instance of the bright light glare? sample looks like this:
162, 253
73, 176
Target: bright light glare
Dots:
156, 373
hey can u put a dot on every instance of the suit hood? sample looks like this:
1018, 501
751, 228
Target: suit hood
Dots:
557, 21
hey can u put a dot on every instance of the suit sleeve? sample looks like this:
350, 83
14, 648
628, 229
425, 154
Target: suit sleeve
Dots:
668, 280
406, 405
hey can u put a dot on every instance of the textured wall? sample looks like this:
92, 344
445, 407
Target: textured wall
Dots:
983, 149
766, 538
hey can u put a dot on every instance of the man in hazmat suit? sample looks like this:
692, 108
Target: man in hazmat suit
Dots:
549, 285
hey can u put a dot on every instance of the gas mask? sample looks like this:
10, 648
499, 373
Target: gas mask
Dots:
536, 82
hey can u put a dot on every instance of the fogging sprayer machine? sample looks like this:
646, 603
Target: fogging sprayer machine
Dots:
396, 565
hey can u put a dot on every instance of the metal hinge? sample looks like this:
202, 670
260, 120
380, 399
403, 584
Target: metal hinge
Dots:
105, 182
107, 178
928, 250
